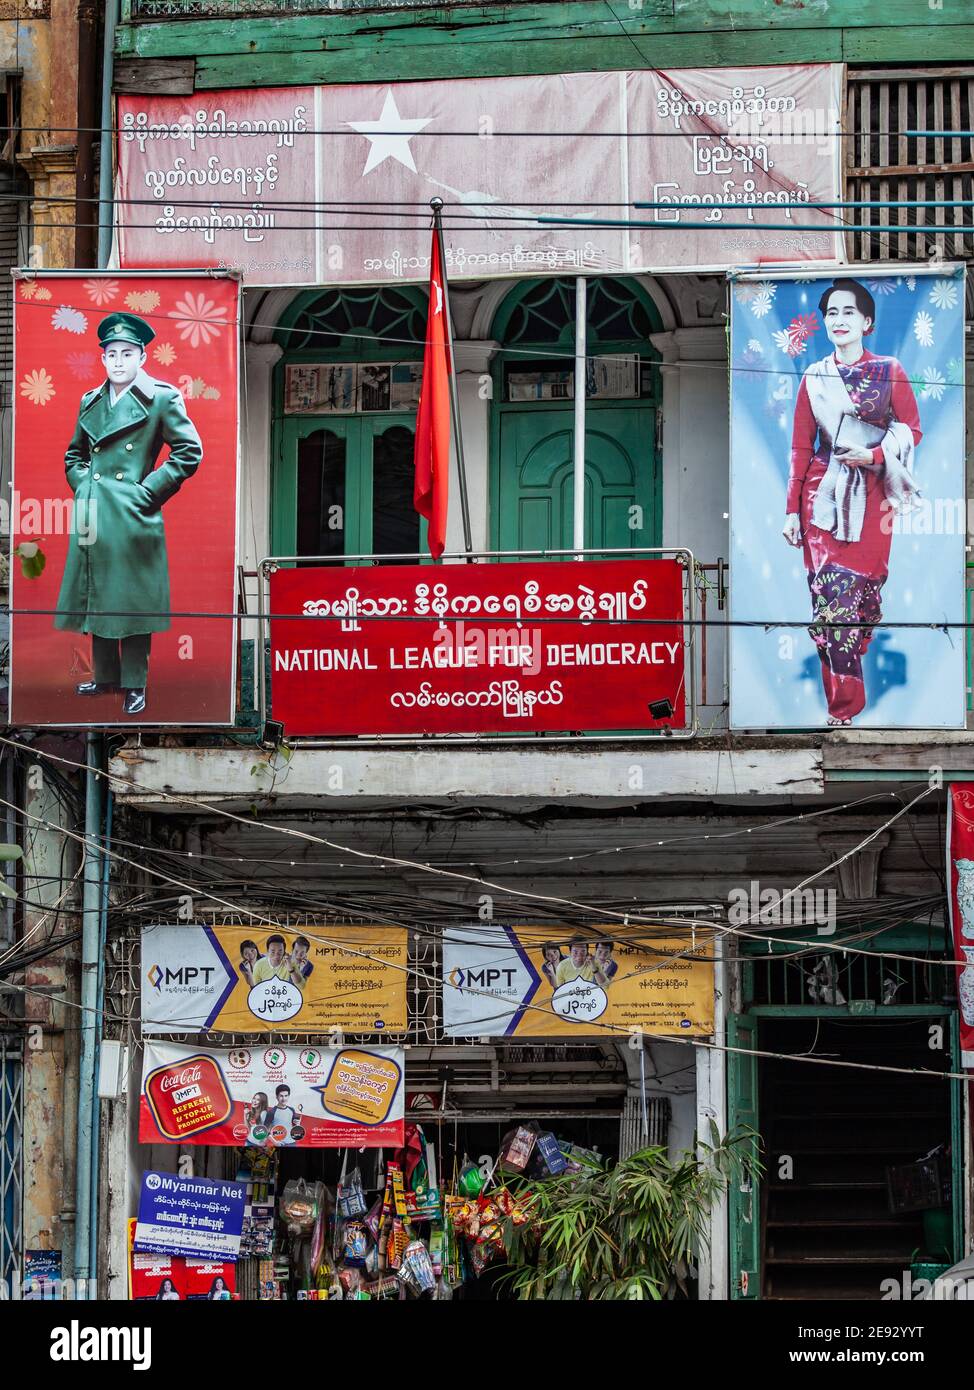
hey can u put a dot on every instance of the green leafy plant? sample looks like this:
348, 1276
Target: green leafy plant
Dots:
628, 1232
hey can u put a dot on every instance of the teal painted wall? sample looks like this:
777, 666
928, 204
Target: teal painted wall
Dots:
395, 44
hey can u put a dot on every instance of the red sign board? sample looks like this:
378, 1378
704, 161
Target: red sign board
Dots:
960, 898
123, 509
466, 649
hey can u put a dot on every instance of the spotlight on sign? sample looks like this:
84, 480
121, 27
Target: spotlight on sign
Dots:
272, 734
661, 709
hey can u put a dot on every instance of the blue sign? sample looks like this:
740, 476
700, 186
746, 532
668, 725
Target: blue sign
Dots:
201, 1218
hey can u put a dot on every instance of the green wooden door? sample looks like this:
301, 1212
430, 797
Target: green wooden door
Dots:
343, 486
744, 1197
534, 485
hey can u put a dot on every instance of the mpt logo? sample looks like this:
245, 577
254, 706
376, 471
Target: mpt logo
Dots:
182, 975
487, 977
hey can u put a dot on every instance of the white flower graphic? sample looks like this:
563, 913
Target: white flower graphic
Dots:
887, 285
943, 295
763, 301
933, 384
911, 283
754, 346
101, 292
198, 319
68, 319
923, 329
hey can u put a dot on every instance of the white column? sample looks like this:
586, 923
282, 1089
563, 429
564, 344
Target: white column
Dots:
257, 414
581, 329
474, 391
712, 1106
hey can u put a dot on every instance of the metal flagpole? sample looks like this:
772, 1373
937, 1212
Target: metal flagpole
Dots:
437, 205
581, 316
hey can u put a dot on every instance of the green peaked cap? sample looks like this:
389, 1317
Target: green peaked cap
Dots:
127, 327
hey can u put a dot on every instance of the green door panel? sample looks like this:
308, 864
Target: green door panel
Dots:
744, 1197
361, 435
534, 478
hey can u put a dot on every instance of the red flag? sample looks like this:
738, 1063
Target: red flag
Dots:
432, 455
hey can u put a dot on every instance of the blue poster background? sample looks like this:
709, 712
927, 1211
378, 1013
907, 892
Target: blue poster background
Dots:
913, 677
201, 1218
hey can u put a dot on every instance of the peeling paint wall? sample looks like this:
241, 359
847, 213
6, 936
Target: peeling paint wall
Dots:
51, 1048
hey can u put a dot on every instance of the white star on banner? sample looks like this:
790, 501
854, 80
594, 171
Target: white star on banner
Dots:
389, 136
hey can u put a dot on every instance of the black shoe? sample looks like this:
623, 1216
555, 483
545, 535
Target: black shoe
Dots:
134, 702
94, 688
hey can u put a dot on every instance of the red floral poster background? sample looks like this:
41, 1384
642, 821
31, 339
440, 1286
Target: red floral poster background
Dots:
58, 359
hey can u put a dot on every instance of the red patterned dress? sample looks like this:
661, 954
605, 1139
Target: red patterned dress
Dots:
846, 577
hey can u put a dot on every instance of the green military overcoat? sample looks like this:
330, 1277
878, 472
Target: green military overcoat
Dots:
119, 494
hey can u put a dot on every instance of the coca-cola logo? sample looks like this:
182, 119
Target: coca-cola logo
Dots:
182, 1078
186, 1097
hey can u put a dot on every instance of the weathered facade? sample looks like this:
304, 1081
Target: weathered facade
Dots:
49, 88
566, 830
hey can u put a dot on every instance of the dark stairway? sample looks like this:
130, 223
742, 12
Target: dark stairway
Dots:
828, 1230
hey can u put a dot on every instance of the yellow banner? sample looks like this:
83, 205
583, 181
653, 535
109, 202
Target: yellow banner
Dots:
528, 981
231, 979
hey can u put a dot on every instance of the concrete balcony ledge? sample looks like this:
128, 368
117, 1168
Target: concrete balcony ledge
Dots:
616, 773
166, 778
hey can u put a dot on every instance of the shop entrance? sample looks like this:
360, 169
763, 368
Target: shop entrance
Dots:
827, 1219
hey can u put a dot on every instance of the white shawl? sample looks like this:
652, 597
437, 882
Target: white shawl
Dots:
840, 499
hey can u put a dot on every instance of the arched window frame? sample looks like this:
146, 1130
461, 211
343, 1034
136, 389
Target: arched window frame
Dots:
401, 341
562, 351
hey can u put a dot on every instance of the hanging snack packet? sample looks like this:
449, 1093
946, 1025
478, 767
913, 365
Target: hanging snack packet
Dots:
373, 1218
471, 1181
351, 1201
395, 1182
548, 1157
417, 1269
299, 1206
355, 1243
517, 1147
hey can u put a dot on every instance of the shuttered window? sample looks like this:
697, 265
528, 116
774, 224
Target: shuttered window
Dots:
884, 163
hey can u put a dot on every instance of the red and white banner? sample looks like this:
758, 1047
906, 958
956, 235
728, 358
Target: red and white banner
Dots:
466, 649
960, 899
174, 1278
285, 1097
229, 179
123, 513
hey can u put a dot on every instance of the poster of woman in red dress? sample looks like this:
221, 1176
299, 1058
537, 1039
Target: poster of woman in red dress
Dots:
853, 447
848, 504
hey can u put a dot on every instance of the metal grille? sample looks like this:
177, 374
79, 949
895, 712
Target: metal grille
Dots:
339, 320
832, 978
123, 1020
885, 164
11, 1152
643, 1131
545, 313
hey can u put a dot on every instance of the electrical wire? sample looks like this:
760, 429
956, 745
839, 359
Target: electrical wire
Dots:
628, 919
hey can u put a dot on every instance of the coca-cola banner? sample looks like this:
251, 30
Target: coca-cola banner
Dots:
405, 649
960, 898
729, 160
288, 1097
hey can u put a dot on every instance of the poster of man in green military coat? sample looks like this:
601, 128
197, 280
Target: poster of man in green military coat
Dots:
116, 585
